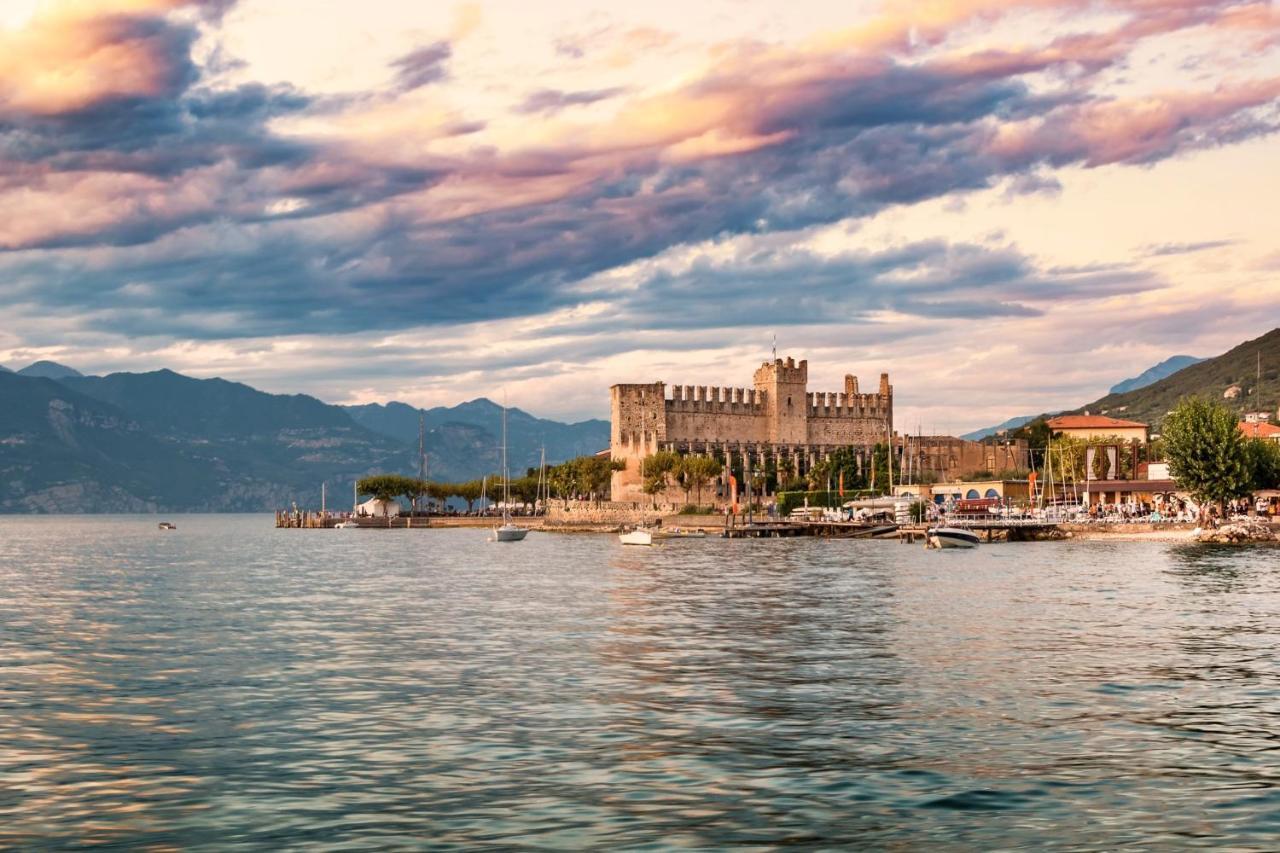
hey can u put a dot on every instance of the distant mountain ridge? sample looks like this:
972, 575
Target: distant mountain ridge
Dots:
44, 369
161, 441
526, 434
987, 432
1251, 368
1151, 375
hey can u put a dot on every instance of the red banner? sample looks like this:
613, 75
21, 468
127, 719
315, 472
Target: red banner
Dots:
733, 493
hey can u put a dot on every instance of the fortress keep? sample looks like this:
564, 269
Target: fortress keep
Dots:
778, 417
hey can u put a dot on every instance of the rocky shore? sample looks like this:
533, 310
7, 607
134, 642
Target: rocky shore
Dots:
1239, 533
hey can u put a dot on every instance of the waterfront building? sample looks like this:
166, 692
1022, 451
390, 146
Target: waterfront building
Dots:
948, 458
940, 493
777, 420
1088, 427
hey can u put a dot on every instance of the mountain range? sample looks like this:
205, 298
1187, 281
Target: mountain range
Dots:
161, 441
1245, 378
1152, 375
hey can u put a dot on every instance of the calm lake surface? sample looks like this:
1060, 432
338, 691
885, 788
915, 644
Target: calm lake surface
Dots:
229, 684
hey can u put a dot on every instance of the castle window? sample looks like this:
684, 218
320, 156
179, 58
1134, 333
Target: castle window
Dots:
788, 402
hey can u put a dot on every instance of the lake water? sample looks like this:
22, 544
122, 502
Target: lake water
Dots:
229, 684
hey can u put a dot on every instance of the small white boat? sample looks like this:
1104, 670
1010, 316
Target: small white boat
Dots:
168, 525
636, 537
509, 533
952, 537
349, 524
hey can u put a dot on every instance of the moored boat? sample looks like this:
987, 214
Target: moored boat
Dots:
168, 525
636, 537
952, 537
508, 531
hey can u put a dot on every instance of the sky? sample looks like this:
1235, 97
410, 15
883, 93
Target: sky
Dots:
1008, 206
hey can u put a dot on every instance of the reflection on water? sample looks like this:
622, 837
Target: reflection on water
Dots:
234, 684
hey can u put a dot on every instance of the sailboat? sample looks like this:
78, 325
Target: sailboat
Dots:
508, 532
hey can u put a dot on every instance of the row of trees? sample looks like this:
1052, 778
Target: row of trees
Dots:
690, 473
583, 477
693, 474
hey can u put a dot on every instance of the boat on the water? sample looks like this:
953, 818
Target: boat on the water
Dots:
952, 537
509, 531
168, 525
349, 524
636, 537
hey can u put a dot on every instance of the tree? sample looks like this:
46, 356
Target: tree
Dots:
470, 492
1068, 459
1264, 463
1206, 451
655, 471
525, 489
1036, 433
786, 468
440, 492
698, 471
388, 487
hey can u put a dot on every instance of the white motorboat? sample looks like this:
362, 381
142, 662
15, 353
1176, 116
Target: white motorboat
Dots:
349, 524
636, 537
952, 537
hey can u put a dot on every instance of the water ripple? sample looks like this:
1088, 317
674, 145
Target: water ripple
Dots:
230, 685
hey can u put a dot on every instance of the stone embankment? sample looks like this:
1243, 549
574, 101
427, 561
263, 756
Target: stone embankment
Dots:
609, 515
1239, 533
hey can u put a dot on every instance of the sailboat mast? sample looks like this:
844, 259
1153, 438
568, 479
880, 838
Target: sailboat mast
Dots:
506, 494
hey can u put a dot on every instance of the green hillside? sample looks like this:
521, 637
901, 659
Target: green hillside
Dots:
1210, 378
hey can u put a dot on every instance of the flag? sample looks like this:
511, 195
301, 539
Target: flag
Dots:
842, 483
733, 493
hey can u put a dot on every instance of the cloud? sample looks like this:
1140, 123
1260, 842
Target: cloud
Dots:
1165, 249
554, 100
156, 200
422, 66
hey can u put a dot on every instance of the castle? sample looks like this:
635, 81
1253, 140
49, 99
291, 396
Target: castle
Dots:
778, 418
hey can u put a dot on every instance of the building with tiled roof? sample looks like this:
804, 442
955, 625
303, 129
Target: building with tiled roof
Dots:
1088, 427
1259, 429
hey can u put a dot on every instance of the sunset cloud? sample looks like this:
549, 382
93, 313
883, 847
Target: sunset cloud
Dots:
158, 189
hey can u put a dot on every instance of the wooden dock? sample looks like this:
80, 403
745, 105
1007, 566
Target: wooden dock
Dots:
989, 527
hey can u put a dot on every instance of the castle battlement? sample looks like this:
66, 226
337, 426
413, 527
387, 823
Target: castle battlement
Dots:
712, 398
